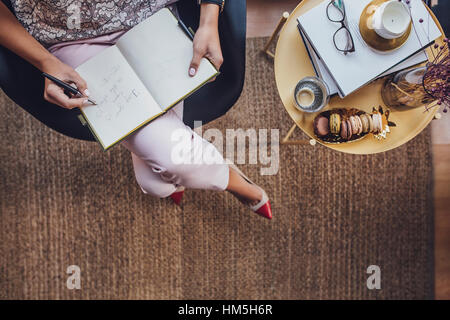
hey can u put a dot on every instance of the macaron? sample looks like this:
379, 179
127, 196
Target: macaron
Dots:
345, 134
321, 126
349, 129
365, 123
354, 124
359, 125
370, 122
335, 123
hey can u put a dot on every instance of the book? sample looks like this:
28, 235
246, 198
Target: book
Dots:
322, 72
354, 70
140, 78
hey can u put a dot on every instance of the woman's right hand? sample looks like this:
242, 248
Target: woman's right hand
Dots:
14, 37
55, 94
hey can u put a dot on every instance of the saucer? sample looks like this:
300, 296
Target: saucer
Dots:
369, 35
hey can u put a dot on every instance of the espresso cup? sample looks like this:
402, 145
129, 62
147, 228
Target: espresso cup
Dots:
311, 94
391, 20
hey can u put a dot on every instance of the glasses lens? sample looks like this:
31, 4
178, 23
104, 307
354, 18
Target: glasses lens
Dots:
335, 12
343, 40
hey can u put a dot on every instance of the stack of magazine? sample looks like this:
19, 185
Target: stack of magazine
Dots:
345, 74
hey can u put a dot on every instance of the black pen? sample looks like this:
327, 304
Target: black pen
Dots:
186, 30
65, 86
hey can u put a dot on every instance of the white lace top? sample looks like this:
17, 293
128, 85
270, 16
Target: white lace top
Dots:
54, 21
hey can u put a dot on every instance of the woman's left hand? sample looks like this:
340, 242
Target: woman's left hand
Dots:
206, 44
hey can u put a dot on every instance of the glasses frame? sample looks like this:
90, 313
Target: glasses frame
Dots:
343, 26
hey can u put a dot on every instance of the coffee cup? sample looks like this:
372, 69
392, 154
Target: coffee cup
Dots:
391, 19
311, 94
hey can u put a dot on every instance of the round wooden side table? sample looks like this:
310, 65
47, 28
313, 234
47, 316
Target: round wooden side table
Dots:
292, 64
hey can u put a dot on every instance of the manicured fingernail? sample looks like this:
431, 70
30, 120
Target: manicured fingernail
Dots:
192, 72
87, 93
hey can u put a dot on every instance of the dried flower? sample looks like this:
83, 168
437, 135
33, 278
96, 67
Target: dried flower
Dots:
436, 80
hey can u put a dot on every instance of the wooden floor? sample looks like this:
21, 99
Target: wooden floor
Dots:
262, 17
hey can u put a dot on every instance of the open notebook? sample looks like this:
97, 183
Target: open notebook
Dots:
139, 78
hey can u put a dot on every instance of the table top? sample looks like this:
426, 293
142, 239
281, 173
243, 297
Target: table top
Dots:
292, 64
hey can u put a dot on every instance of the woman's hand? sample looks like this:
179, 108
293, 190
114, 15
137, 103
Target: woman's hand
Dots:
54, 93
206, 40
14, 37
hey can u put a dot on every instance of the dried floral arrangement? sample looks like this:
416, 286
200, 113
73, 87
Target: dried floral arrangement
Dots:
435, 87
432, 89
436, 80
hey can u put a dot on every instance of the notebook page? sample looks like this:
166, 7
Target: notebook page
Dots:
160, 53
356, 69
123, 102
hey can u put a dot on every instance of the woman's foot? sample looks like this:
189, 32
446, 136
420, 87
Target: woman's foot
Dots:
254, 194
248, 192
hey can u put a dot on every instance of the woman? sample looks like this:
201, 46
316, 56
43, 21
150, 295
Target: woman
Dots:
58, 35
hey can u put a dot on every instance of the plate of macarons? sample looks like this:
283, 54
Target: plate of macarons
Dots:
349, 125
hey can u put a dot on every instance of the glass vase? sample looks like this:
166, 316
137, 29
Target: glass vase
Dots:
405, 89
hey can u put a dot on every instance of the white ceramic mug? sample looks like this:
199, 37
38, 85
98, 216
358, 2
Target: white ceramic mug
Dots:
391, 19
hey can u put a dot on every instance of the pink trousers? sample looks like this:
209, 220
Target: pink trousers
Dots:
157, 171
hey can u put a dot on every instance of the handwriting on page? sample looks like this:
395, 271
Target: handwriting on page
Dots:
116, 95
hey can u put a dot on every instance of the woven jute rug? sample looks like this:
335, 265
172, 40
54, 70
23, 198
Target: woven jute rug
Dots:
64, 202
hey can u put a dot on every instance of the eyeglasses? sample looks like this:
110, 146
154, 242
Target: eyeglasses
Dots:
342, 38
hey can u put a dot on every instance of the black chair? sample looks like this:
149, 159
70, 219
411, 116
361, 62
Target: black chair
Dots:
441, 11
207, 104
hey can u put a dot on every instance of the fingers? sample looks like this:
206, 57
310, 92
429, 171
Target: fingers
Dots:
80, 83
56, 95
216, 59
206, 45
195, 63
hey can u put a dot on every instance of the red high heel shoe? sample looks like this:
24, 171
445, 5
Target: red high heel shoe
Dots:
263, 207
177, 196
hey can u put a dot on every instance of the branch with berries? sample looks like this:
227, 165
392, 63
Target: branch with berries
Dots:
436, 80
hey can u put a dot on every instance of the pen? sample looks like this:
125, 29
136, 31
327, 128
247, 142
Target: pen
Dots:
186, 30
65, 86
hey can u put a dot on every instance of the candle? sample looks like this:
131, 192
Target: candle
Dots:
391, 19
